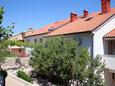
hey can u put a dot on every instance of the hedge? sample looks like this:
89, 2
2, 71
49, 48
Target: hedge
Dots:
24, 76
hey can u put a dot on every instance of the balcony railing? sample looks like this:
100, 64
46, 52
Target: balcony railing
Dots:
109, 61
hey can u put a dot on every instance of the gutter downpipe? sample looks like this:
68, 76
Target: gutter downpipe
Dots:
92, 44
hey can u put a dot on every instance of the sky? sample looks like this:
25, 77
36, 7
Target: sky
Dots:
37, 13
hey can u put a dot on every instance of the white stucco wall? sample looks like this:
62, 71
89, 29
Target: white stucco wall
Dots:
32, 38
98, 45
17, 37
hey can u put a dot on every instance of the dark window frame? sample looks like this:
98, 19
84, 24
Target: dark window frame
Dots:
35, 40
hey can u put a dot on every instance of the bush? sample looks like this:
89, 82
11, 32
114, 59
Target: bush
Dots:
63, 62
24, 76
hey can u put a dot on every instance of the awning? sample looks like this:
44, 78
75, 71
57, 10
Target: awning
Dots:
110, 35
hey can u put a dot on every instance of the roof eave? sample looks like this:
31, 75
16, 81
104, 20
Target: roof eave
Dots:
36, 34
100, 25
70, 33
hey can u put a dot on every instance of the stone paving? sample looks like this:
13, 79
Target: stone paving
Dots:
12, 82
12, 67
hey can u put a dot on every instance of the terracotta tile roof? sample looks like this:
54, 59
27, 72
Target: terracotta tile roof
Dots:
28, 33
45, 29
110, 34
84, 24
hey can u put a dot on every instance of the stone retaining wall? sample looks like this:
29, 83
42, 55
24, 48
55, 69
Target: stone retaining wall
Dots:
13, 80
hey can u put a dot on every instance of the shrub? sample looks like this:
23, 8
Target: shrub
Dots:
64, 61
24, 76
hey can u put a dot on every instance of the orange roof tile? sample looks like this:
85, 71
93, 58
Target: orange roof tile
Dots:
110, 34
84, 24
45, 29
28, 33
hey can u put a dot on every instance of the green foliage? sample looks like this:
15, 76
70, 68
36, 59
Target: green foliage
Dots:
24, 76
1, 14
51, 59
64, 61
4, 52
5, 33
95, 71
15, 42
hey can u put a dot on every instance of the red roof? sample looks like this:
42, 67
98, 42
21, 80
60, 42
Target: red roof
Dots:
110, 34
45, 29
89, 23
27, 33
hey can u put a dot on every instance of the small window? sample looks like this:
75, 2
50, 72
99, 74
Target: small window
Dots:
78, 39
88, 19
113, 76
20, 50
35, 40
28, 40
41, 39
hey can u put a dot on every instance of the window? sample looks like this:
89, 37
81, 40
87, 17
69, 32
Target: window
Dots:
28, 40
41, 39
113, 76
78, 39
20, 50
35, 40
112, 47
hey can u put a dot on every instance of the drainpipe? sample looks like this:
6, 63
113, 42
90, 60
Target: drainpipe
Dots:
92, 44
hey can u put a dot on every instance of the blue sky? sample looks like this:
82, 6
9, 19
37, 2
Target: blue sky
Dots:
37, 13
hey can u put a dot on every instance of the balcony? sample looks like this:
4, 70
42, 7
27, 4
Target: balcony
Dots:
109, 61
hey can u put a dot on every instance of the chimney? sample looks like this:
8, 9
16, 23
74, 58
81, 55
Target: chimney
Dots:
85, 13
105, 6
73, 17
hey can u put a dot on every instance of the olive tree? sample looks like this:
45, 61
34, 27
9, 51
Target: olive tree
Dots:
64, 62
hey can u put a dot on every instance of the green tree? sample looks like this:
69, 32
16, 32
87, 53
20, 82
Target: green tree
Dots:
16, 42
5, 33
64, 62
95, 71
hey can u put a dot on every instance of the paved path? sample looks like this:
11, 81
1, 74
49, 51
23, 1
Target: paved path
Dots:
11, 79
12, 82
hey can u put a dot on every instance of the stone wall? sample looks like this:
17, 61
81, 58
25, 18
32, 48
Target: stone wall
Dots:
13, 80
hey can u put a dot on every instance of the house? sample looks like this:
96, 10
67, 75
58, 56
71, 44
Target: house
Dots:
19, 51
19, 37
38, 35
95, 31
